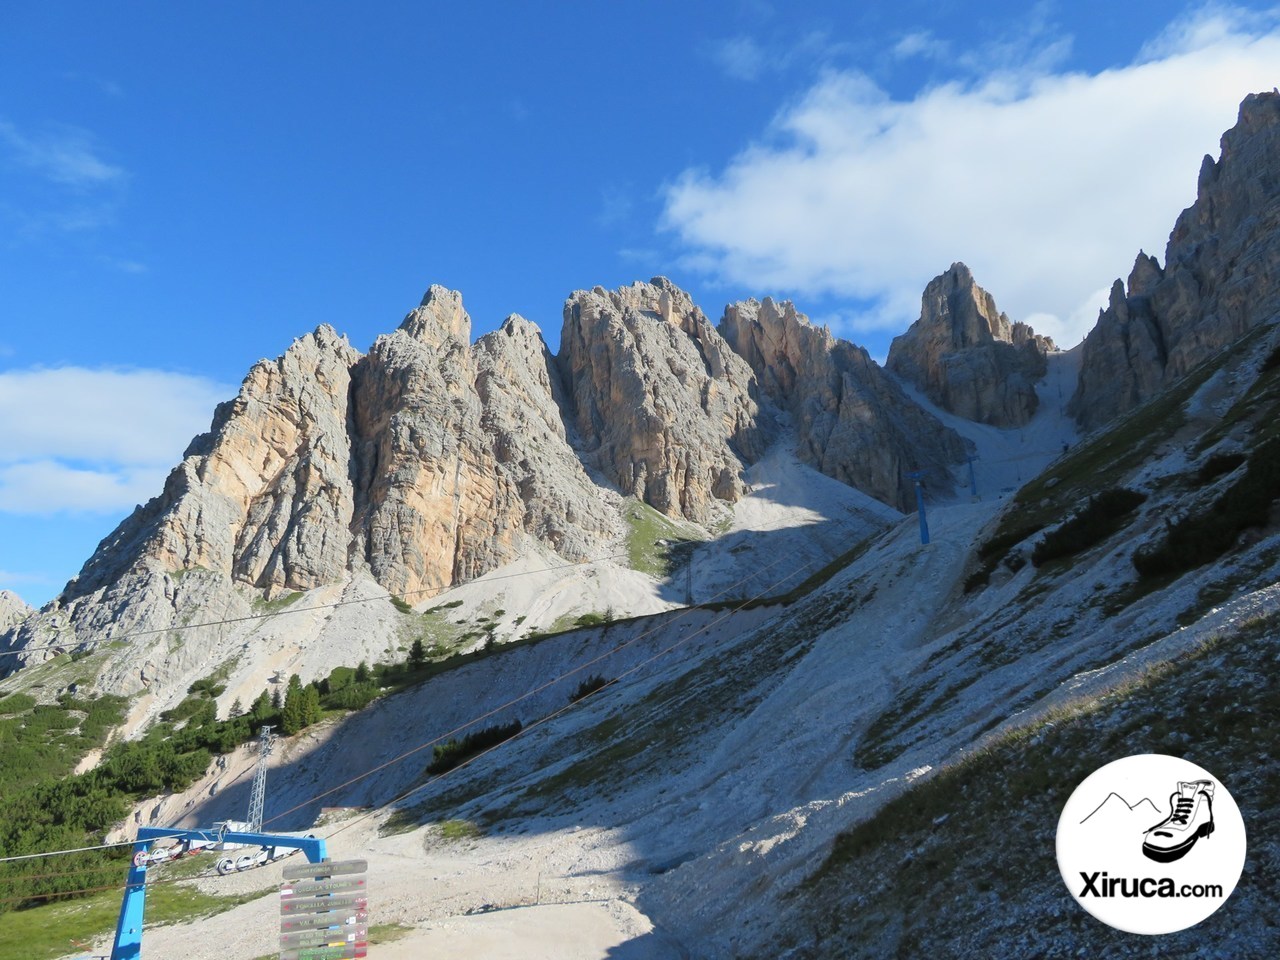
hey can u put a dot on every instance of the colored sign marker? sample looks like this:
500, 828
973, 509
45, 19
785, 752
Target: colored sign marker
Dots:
321, 921
305, 905
331, 937
315, 888
328, 868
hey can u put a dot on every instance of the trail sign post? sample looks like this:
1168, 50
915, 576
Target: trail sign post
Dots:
324, 911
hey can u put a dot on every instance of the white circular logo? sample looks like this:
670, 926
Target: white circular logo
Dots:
1151, 844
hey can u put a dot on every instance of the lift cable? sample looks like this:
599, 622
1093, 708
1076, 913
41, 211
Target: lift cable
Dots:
433, 591
738, 608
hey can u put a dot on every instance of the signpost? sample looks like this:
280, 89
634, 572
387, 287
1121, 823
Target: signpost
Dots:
324, 911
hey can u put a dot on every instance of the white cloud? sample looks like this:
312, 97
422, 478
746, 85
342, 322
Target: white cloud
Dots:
15, 576
923, 44
48, 487
1046, 184
73, 439
66, 155
745, 58
740, 58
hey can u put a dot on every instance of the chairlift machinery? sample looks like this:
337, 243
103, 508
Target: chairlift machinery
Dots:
227, 835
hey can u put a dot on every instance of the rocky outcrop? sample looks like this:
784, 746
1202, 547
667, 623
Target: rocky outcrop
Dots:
430, 505
662, 405
966, 356
522, 397
852, 422
13, 610
432, 460
265, 496
1221, 276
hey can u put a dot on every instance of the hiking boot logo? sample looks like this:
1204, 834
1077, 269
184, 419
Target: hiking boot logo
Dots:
1126, 856
1190, 818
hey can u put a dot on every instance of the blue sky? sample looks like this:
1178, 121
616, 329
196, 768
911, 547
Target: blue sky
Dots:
185, 188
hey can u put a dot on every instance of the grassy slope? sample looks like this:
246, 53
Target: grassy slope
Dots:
55, 930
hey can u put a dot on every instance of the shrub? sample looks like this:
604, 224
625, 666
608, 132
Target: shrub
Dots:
588, 687
1200, 538
446, 756
352, 696
1102, 516
1217, 465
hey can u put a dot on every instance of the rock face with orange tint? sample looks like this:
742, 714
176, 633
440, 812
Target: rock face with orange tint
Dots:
665, 409
265, 496
459, 451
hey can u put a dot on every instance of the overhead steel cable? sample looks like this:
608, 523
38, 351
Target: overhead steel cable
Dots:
59, 853
744, 604
687, 611
569, 706
177, 628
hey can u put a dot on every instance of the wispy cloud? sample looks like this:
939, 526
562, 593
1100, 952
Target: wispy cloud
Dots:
616, 204
124, 265
103, 85
15, 576
739, 58
1046, 183
79, 440
47, 487
921, 43
745, 58
65, 155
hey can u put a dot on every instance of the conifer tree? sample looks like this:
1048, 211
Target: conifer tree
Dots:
293, 716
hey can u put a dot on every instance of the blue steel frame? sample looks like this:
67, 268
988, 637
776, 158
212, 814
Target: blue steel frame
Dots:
917, 476
128, 942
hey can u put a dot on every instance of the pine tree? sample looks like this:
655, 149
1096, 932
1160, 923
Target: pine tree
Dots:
362, 672
417, 654
293, 717
262, 709
310, 705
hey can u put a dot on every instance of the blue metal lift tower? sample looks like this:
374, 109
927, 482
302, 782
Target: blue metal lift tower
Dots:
128, 942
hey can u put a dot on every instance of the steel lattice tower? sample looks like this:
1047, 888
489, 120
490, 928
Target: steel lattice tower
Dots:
258, 798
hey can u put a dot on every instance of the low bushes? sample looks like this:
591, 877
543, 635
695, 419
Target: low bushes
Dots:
446, 756
1199, 538
1102, 516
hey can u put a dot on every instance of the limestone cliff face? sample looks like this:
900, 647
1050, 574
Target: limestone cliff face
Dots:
462, 449
430, 502
966, 356
13, 610
265, 497
1221, 276
432, 460
522, 398
661, 403
852, 422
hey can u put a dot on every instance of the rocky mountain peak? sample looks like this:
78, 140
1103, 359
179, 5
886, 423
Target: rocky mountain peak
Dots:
852, 422
439, 318
660, 402
1221, 276
13, 610
966, 356
955, 308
